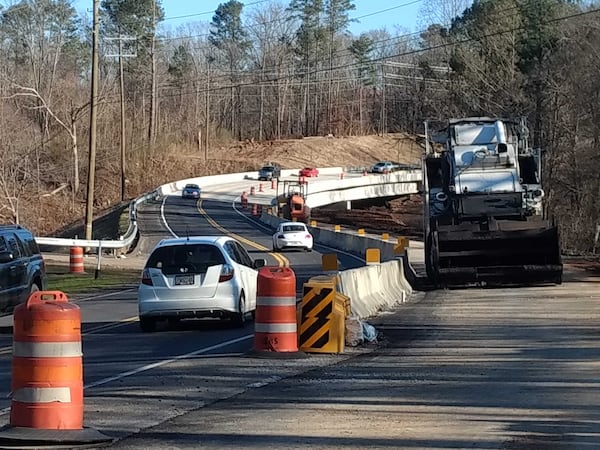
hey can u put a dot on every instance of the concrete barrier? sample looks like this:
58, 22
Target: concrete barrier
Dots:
373, 288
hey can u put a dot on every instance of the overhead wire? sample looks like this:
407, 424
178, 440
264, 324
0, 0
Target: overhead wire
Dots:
397, 55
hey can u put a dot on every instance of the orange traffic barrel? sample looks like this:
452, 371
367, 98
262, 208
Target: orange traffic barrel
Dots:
76, 260
260, 188
275, 326
244, 199
47, 369
252, 190
254, 209
273, 184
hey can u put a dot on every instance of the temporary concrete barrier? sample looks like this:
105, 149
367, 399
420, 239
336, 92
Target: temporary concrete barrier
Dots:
373, 288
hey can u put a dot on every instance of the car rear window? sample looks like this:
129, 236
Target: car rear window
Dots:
293, 228
188, 258
192, 186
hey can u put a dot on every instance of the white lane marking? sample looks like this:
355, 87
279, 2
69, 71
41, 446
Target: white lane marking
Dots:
166, 361
109, 294
163, 218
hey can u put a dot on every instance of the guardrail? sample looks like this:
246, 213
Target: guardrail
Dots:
126, 240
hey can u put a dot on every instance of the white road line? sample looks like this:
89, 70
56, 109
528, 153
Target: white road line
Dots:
163, 218
166, 361
109, 294
156, 364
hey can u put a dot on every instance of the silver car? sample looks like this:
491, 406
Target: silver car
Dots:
199, 276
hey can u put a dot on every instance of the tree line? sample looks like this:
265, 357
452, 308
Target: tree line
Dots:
287, 69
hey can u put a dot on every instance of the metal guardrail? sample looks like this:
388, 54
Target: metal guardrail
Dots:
125, 242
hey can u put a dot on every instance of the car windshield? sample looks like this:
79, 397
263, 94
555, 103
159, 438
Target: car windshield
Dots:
187, 258
192, 186
380, 164
293, 228
268, 168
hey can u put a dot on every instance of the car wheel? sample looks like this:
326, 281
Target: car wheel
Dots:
275, 249
147, 325
239, 318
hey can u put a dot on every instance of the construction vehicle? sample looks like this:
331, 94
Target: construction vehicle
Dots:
483, 206
292, 201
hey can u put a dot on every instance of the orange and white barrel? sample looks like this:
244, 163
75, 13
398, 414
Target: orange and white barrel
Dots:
47, 369
275, 325
76, 260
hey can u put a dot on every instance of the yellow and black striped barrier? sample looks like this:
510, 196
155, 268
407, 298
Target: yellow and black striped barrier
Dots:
321, 316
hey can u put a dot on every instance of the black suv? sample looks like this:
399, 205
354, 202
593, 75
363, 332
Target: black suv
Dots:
22, 268
269, 172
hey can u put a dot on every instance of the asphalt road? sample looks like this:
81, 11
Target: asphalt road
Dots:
134, 380
479, 368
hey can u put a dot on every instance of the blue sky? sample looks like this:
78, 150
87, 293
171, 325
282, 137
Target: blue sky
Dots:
374, 14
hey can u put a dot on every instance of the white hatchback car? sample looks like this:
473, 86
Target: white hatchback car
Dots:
292, 235
199, 276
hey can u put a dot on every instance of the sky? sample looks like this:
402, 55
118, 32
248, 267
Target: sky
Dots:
372, 14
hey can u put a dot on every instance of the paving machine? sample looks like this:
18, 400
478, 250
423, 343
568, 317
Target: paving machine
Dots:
483, 206
292, 201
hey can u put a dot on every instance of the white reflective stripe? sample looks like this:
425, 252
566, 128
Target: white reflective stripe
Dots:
42, 395
275, 327
46, 349
275, 301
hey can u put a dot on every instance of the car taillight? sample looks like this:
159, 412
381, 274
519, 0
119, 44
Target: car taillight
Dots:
146, 278
226, 273
308, 236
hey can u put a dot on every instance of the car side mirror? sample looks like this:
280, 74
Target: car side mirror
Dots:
258, 263
6, 257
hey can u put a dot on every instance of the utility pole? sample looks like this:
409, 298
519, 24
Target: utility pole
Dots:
121, 55
207, 113
89, 212
153, 102
122, 87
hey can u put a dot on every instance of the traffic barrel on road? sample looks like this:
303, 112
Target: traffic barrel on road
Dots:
76, 260
273, 184
252, 190
260, 188
47, 376
275, 326
47, 369
254, 209
244, 199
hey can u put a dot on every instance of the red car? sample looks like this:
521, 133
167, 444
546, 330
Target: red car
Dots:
308, 172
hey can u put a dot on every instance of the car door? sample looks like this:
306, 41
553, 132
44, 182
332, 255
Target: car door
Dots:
250, 275
17, 271
5, 293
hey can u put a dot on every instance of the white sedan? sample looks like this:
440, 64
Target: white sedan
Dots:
198, 276
292, 235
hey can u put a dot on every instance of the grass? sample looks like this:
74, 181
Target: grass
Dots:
60, 279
